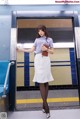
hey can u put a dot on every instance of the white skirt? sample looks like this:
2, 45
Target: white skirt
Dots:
42, 66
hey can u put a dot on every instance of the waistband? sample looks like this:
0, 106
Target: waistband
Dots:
41, 55
37, 53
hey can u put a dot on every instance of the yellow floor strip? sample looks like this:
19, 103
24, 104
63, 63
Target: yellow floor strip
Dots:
30, 101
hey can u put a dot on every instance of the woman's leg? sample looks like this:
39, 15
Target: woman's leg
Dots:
46, 90
42, 91
44, 94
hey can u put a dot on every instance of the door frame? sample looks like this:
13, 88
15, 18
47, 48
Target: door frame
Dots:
30, 15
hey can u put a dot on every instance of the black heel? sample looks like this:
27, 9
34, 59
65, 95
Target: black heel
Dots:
43, 110
48, 115
47, 111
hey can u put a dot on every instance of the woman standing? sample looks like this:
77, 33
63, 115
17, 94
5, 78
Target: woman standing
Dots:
43, 45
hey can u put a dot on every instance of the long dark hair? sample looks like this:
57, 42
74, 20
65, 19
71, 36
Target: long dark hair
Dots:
43, 28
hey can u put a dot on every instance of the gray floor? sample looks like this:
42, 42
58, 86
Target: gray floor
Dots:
33, 111
55, 114
52, 94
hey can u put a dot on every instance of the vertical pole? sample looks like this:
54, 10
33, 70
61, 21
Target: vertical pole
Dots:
12, 83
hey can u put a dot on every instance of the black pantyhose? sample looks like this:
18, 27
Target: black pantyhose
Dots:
44, 95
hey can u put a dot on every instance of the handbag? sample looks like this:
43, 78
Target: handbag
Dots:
45, 53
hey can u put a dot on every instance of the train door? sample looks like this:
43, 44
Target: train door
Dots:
64, 90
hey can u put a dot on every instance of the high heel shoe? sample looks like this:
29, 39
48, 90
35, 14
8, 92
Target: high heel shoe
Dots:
47, 111
48, 115
43, 110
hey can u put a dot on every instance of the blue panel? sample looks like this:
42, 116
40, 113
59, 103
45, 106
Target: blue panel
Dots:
26, 69
3, 70
2, 90
7, 9
73, 66
5, 30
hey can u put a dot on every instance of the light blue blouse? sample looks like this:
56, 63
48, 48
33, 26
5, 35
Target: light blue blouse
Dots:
41, 41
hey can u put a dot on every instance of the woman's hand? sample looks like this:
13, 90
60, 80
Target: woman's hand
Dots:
44, 48
19, 49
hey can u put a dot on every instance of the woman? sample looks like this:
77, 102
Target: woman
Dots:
43, 45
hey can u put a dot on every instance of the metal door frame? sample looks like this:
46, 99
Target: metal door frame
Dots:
37, 14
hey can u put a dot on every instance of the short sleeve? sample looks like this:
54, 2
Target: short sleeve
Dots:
51, 43
35, 43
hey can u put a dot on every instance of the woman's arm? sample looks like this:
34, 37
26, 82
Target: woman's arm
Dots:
49, 50
26, 50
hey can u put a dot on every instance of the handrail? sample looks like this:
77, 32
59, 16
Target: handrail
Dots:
6, 78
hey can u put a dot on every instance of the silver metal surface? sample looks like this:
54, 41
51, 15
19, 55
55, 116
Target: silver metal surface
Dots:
77, 39
41, 13
13, 43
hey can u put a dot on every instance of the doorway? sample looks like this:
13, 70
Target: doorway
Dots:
61, 29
